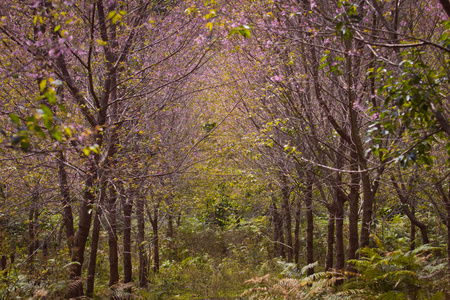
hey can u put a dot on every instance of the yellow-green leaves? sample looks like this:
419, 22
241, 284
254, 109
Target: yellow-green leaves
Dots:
42, 85
243, 30
115, 16
94, 148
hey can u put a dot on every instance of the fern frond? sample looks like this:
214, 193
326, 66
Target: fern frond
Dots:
425, 248
259, 280
309, 266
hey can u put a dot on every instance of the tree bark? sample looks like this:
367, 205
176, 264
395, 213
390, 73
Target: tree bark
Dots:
309, 224
447, 207
32, 227
93, 254
112, 237
330, 236
170, 235
412, 232
4, 264
339, 203
297, 230
143, 257
278, 237
285, 191
404, 195
127, 204
446, 5
353, 214
155, 239
340, 249
75, 288
446, 199
65, 201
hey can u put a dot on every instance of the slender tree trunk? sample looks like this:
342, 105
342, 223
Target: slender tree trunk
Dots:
367, 209
330, 236
412, 233
340, 251
447, 207
4, 263
112, 237
339, 202
127, 204
170, 232
423, 228
297, 230
65, 201
75, 288
404, 196
143, 257
278, 237
285, 190
93, 254
32, 226
155, 239
353, 215
446, 200
446, 5
309, 225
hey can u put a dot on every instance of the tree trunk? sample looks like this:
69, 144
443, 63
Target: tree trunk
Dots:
404, 195
32, 226
339, 198
367, 209
412, 232
446, 200
4, 263
155, 239
170, 231
127, 204
353, 214
446, 5
297, 230
309, 225
330, 236
93, 254
447, 206
75, 288
112, 237
143, 257
65, 201
285, 191
278, 237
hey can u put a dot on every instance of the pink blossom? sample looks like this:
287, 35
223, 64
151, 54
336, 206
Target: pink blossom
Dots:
276, 78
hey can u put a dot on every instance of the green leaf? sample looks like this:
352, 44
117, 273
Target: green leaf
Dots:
25, 143
57, 135
61, 108
323, 65
51, 97
39, 131
243, 30
116, 18
86, 151
47, 122
42, 85
14, 118
68, 131
46, 111
111, 14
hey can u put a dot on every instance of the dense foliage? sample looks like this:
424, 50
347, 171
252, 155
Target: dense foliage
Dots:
265, 149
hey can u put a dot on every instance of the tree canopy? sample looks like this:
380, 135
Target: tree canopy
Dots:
265, 149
